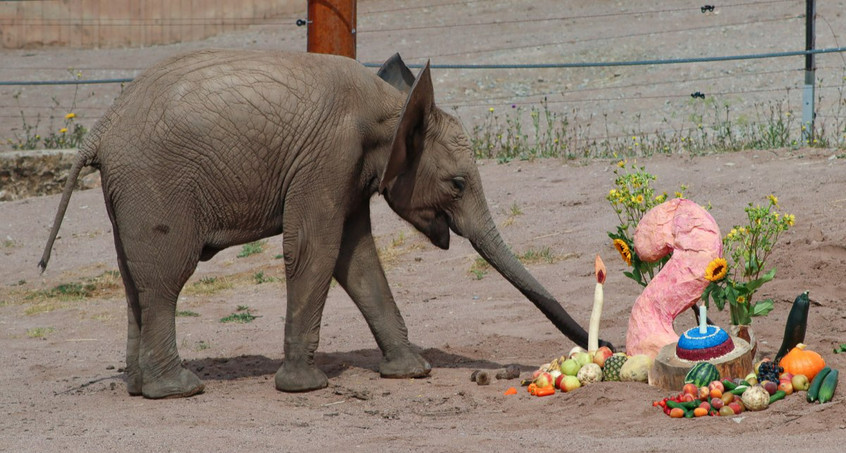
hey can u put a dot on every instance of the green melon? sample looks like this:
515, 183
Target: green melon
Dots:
702, 374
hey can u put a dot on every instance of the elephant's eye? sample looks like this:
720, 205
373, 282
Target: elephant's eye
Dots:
458, 184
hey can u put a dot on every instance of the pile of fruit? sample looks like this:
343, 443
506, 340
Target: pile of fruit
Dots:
704, 393
580, 368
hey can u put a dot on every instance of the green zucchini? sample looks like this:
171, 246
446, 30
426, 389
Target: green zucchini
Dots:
739, 390
729, 385
814, 389
777, 396
794, 329
828, 386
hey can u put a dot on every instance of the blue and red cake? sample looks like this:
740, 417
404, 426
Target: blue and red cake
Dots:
697, 346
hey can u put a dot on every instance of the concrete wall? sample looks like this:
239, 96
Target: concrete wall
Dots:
110, 23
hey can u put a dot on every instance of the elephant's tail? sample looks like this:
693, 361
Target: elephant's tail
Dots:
87, 156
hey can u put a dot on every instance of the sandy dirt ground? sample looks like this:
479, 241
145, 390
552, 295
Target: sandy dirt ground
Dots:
61, 380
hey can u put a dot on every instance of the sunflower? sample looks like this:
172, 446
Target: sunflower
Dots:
625, 251
741, 299
716, 270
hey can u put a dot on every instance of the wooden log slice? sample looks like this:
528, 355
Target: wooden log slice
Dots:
668, 371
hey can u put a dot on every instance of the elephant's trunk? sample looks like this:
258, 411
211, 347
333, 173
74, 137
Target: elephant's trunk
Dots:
489, 244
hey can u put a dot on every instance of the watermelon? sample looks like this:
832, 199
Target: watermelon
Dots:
702, 374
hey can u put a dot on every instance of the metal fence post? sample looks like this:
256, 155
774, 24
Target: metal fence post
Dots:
332, 27
808, 91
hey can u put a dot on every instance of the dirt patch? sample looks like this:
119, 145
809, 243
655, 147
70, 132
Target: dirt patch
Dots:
62, 385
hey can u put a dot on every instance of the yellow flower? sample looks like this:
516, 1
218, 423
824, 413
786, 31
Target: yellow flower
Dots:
741, 299
661, 198
70, 116
63, 130
679, 195
624, 250
639, 199
773, 199
789, 218
716, 270
621, 163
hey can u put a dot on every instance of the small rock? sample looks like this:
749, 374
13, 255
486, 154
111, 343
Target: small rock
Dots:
483, 378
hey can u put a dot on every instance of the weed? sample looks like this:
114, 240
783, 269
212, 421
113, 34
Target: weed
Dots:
252, 248
242, 315
186, 314
260, 277
532, 256
202, 345
207, 285
710, 126
69, 135
39, 332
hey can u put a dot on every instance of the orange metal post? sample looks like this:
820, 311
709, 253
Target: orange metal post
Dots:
331, 27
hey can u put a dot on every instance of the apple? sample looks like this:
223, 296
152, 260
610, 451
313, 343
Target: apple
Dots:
800, 383
687, 397
575, 350
726, 411
717, 403
536, 373
728, 398
559, 380
690, 389
786, 387
704, 393
570, 367
770, 386
601, 355
736, 407
786, 376
705, 405
717, 385
544, 380
569, 383
583, 358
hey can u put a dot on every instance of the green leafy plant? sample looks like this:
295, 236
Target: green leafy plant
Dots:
631, 197
186, 314
39, 332
242, 315
734, 281
252, 248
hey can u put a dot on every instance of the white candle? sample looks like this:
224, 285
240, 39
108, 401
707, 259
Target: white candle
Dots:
596, 314
703, 320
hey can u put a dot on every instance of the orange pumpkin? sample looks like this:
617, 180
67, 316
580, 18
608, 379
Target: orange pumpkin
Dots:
802, 361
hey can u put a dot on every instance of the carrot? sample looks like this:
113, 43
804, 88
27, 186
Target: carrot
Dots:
532, 388
511, 391
545, 391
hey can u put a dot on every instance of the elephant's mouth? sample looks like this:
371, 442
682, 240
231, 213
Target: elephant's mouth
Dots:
438, 230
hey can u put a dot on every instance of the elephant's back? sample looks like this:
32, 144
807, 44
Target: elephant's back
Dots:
225, 126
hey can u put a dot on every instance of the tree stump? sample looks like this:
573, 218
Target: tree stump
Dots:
668, 371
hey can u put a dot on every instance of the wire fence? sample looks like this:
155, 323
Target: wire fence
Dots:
36, 92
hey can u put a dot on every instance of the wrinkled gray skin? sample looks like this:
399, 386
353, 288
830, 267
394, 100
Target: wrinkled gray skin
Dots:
217, 148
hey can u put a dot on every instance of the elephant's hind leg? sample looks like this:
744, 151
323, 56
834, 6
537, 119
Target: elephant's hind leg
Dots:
360, 273
155, 265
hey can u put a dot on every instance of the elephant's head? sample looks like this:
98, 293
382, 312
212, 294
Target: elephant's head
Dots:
431, 180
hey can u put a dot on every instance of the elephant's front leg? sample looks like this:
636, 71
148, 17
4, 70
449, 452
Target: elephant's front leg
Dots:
360, 273
310, 255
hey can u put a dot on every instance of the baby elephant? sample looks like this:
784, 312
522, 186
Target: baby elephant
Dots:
218, 148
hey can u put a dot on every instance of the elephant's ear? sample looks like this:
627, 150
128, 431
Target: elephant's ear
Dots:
395, 72
411, 128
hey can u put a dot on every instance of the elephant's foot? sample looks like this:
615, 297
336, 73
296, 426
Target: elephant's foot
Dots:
406, 364
134, 382
294, 376
179, 384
